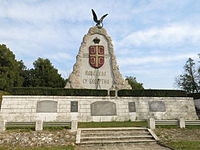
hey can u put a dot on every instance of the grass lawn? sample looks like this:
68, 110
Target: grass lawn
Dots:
166, 126
112, 124
184, 145
69, 147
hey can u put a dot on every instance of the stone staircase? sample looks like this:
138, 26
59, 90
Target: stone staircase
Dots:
115, 135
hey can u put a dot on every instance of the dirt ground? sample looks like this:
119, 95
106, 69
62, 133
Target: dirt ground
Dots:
177, 134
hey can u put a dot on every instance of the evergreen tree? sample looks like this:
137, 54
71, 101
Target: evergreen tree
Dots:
10, 69
45, 75
189, 81
134, 84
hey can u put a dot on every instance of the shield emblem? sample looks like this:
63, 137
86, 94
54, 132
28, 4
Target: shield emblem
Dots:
96, 56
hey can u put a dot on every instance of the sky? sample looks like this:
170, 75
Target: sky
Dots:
152, 38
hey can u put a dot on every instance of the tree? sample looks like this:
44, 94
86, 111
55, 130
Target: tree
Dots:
189, 81
134, 84
198, 76
10, 69
44, 75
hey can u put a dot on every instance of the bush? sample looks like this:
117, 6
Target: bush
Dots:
152, 93
56, 91
93, 92
112, 93
194, 95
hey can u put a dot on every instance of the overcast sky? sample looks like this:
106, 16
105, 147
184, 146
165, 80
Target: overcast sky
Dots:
152, 38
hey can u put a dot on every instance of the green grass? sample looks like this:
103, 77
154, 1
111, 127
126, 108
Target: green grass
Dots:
193, 127
56, 128
112, 124
174, 126
167, 126
69, 147
185, 145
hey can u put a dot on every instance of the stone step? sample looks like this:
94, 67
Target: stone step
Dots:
114, 137
116, 141
113, 131
118, 129
110, 131
113, 134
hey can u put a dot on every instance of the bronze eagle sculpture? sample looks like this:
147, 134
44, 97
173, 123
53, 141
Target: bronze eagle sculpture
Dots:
100, 21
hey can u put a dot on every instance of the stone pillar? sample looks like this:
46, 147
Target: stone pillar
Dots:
116, 93
108, 92
182, 123
2, 125
74, 125
151, 123
39, 125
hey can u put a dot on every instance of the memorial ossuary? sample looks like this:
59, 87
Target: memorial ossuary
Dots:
96, 68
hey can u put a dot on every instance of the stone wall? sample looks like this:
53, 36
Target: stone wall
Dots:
85, 109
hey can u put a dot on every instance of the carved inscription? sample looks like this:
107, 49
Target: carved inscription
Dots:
157, 106
47, 106
131, 106
97, 75
96, 81
74, 106
103, 108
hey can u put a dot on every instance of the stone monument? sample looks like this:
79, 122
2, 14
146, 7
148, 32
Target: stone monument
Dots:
96, 66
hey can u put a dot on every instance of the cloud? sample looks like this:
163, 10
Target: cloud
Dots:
142, 31
155, 59
167, 35
59, 56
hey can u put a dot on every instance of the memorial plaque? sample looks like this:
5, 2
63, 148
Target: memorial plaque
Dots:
74, 106
103, 108
131, 107
46, 106
157, 106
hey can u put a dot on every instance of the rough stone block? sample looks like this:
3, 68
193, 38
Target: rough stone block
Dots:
74, 125
182, 123
39, 125
2, 125
151, 123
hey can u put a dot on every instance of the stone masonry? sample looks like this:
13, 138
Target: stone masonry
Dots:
106, 76
25, 108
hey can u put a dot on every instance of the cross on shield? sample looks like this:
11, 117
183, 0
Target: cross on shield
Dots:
96, 56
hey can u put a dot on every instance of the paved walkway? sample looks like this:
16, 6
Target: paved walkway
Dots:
122, 146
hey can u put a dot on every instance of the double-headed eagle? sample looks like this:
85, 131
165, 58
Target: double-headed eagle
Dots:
100, 21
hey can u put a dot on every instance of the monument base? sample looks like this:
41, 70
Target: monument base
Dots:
98, 109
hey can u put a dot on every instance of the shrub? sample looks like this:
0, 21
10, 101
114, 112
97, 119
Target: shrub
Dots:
56, 91
152, 93
194, 95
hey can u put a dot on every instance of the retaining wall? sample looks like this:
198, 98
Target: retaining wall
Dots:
86, 109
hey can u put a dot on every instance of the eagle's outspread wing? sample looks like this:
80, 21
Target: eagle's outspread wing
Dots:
94, 16
101, 20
